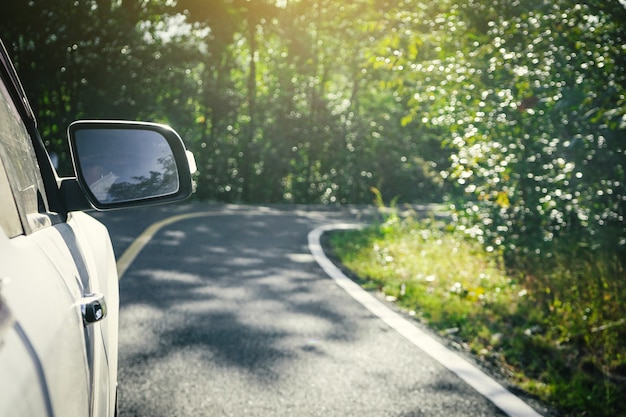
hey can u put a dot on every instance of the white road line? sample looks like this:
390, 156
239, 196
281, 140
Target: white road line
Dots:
481, 382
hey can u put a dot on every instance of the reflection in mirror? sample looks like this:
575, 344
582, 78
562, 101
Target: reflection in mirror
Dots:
125, 164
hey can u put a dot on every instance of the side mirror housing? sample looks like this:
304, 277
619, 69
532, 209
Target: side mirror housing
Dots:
123, 164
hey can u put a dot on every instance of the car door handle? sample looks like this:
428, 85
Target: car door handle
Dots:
93, 307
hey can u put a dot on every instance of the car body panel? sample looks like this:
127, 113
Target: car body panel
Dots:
44, 304
19, 380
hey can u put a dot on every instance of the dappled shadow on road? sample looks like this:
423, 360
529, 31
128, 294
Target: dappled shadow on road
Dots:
242, 294
226, 315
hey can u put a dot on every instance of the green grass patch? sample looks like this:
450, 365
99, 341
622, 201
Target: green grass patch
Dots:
558, 337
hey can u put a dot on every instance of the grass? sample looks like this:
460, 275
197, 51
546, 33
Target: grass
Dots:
557, 333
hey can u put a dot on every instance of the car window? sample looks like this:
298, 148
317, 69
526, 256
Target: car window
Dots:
9, 216
20, 165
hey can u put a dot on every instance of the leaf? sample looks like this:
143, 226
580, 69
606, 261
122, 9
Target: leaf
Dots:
406, 120
503, 200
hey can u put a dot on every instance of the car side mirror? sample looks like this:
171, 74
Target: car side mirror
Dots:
122, 164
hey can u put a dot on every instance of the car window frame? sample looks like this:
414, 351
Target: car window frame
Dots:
50, 206
21, 163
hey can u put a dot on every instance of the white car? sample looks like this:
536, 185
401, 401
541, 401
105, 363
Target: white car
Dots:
58, 278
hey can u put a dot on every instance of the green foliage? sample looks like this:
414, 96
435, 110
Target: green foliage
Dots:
89, 59
277, 102
531, 102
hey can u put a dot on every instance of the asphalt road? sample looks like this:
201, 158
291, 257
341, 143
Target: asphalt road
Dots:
228, 314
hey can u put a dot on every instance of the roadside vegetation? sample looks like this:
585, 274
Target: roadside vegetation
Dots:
554, 330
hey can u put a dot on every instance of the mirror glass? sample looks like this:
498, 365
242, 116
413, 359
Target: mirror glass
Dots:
120, 165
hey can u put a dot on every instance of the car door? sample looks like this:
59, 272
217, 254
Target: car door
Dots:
19, 366
49, 353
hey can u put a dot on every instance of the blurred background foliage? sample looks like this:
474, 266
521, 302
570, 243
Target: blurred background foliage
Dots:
279, 100
512, 112
520, 105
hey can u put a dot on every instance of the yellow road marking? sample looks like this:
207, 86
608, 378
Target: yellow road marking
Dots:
144, 238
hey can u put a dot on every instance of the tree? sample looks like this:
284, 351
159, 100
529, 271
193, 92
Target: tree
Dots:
83, 59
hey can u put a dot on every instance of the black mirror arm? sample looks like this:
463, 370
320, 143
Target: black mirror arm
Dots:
73, 196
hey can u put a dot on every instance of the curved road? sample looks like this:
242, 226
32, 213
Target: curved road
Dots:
227, 313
